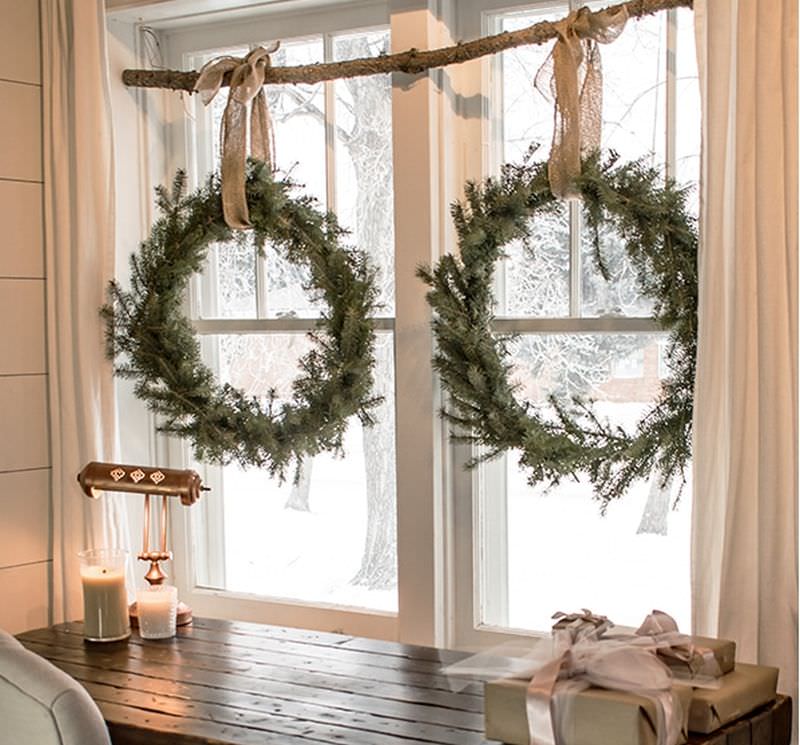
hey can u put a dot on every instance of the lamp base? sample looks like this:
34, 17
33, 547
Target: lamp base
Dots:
184, 615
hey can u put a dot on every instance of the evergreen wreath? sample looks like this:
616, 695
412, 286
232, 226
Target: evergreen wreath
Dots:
660, 237
158, 348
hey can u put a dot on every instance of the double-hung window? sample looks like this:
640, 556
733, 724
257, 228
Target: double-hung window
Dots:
325, 537
538, 550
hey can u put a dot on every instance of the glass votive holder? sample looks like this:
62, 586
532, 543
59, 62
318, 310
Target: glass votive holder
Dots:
105, 598
158, 611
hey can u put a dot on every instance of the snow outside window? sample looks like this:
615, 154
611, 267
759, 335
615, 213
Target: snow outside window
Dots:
543, 550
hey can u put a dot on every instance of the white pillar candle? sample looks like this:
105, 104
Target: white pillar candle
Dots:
105, 603
158, 610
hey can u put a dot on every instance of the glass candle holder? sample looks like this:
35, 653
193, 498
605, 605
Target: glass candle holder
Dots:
105, 598
158, 611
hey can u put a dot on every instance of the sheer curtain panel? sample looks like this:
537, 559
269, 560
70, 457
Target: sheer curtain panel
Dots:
79, 236
745, 448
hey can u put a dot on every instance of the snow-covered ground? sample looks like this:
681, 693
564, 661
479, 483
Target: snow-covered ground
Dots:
562, 554
307, 556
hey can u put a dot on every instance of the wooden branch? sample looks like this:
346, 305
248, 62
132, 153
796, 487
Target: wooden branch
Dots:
412, 61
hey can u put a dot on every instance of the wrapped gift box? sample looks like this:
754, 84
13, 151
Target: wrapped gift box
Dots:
598, 716
601, 717
741, 691
723, 662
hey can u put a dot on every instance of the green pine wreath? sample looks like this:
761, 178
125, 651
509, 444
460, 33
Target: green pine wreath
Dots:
567, 438
154, 344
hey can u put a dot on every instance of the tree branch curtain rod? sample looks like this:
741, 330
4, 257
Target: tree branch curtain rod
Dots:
412, 61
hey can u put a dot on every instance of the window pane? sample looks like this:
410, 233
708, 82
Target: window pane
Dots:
228, 283
618, 295
533, 279
298, 118
329, 538
687, 93
363, 156
634, 90
559, 553
525, 114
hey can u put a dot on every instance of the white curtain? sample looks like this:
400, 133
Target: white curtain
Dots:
745, 449
79, 235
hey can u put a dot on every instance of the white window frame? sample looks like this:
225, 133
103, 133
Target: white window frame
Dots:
480, 579
419, 118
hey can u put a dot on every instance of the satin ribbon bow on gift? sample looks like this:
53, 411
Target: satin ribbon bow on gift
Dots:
574, 627
615, 666
621, 663
572, 78
246, 87
696, 661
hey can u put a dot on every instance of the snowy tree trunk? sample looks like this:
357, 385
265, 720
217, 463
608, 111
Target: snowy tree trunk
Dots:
369, 147
656, 509
365, 131
298, 498
378, 569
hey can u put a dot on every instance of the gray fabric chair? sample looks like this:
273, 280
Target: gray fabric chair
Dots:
41, 705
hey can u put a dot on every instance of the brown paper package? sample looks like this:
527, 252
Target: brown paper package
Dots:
724, 657
741, 691
598, 717
601, 717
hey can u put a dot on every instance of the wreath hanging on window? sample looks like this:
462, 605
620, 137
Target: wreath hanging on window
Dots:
155, 344
567, 438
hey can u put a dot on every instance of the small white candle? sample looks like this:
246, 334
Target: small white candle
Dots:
158, 610
105, 603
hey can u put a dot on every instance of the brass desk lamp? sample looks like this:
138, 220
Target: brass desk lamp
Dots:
152, 482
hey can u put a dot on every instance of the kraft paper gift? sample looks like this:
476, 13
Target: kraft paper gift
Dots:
711, 658
741, 691
597, 716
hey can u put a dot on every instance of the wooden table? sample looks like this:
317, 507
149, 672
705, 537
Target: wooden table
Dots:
238, 683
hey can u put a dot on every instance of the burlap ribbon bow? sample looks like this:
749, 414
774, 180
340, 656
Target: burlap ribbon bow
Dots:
572, 77
246, 88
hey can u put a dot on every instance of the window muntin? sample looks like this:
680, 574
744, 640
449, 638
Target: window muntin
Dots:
330, 538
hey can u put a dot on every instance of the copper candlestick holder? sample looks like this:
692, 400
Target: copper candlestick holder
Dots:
152, 482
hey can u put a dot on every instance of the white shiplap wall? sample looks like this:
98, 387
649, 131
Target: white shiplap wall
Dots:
25, 557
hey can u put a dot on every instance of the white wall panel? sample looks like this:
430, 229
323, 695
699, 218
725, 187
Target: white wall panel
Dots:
25, 589
22, 247
24, 439
20, 131
19, 41
25, 526
22, 338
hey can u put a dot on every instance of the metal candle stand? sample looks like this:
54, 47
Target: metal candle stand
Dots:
152, 482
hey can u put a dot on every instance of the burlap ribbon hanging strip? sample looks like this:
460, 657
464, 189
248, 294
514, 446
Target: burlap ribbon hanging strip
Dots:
572, 77
246, 88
